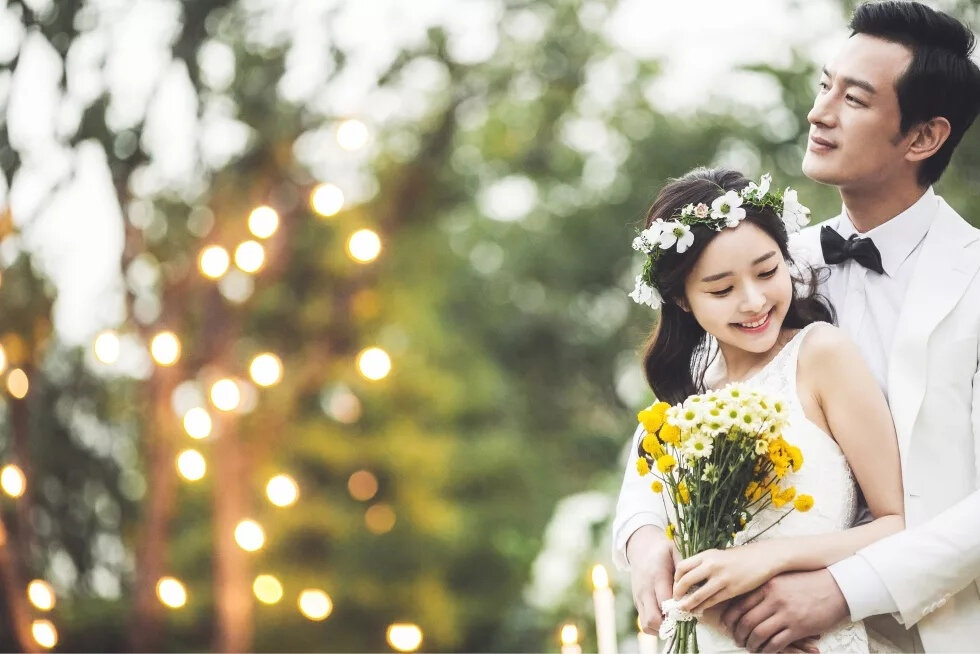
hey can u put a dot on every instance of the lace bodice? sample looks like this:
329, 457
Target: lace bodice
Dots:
825, 475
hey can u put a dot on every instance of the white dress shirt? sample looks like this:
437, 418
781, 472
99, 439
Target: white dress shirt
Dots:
868, 306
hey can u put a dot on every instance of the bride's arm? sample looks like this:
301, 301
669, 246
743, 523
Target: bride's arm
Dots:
857, 415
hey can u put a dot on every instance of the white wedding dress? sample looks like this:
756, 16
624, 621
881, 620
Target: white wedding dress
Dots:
825, 475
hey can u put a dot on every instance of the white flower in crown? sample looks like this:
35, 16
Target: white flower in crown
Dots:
676, 233
729, 208
643, 293
795, 215
758, 191
649, 237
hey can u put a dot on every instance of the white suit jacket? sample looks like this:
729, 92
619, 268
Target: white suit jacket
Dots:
932, 569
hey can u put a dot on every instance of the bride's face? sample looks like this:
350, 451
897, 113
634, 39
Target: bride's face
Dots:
740, 289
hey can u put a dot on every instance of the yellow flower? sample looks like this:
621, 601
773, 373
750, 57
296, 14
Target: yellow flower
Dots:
670, 531
670, 434
642, 466
796, 456
741, 520
652, 446
803, 503
652, 417
683, 493
788, 494
777, 497
666, 463
750, 489
657, 487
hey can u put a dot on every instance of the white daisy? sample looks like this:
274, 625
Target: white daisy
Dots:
795, 215
676, 233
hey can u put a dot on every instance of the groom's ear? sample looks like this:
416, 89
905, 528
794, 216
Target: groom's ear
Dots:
929, 137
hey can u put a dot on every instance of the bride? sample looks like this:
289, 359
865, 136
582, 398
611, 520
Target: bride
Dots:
718, 264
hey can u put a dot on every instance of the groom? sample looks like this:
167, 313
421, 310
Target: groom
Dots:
905, 279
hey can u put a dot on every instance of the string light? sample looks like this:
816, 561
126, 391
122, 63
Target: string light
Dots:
249, 535
12, 480
364, 246
327, 200
191, 465
107, 347
41, 595
267, 589
362, 485
249, 256
282, 490
171, 592
165, 348
263, 222
197, 423
374, 363
44, 633
17, 383
352, 134
404, 637
315, 604
226, 395
266, 369
214, 261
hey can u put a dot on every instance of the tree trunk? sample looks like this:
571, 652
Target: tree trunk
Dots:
232, 582
161, 488
15, 594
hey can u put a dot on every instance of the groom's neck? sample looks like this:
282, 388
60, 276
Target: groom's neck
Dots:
873, 206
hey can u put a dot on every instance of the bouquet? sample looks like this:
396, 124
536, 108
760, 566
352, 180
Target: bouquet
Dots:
722, 459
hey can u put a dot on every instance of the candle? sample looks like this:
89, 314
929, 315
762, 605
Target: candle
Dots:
605, 611
647, 643
569, 640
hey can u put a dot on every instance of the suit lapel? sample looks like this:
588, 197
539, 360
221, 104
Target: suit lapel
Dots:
941, 276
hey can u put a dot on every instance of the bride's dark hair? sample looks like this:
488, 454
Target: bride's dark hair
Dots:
675, 357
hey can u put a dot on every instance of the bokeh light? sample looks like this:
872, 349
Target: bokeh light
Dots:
352, 134
265, 369
282, 490
41, 595
249, 256
327, 200
197, 423
3, 359
569, 634
191, 465
363, 485
374, 363
12, 480
226, 395
404, 637
165, 348
600, 578
267, 589
379, 518
263, 222
107, 347
44, 633
364, 246
249, 535
17, 383
171, 592
214, 261
315, 604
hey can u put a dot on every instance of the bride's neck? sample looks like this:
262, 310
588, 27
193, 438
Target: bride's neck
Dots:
740, 364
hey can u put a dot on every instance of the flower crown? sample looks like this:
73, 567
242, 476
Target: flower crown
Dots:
725, 211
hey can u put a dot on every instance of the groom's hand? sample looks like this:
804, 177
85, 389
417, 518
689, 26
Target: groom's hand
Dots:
784, 610
652, 559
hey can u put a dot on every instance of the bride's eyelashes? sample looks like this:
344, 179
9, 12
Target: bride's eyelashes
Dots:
763, 275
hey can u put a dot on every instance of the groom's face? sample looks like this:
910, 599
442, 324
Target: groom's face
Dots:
855, 138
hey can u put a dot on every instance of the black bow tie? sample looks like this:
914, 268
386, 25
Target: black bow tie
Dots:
837, 249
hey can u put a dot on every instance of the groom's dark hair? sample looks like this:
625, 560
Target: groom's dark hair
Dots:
941, 80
